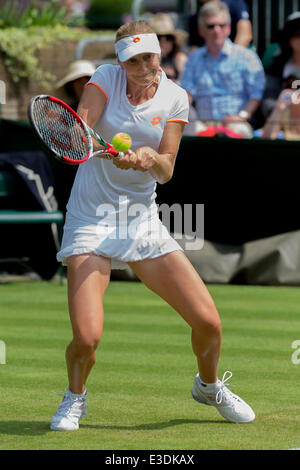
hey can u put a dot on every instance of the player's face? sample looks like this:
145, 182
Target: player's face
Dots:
141, 69
215, 30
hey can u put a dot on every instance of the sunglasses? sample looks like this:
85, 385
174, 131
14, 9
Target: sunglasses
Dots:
214, 25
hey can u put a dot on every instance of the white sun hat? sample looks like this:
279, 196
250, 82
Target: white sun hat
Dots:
138, 44
77, 69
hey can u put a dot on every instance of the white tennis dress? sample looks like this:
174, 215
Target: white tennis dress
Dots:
112, 212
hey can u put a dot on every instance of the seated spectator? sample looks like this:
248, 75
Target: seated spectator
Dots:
241, 27
192, 127
70, 87
226, 81
284, 121
286, 65
171, 41
170, 71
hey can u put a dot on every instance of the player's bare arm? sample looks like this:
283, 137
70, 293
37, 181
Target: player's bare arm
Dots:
160, 164
91, 107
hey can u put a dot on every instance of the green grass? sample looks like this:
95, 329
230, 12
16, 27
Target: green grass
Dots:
139, 391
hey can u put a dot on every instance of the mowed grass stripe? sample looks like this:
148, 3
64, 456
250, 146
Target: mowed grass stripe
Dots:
139, 391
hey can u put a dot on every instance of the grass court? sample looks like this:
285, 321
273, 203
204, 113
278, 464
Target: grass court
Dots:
139, 390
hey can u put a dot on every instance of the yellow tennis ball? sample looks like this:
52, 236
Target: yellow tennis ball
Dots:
121, 142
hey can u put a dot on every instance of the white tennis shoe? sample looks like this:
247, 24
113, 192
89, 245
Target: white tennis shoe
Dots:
71, 409
229, 405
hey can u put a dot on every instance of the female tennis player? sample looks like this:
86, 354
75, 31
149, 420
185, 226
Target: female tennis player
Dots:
102, 230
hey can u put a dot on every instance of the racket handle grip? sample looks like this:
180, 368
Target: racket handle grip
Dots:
102, 153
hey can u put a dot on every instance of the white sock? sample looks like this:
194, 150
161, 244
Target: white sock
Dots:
77, 395
208, 387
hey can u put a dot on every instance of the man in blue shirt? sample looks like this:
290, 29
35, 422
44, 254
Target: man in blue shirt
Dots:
241, 27
225, 81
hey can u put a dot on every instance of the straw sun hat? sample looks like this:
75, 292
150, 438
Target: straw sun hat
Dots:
162, 24
77, 69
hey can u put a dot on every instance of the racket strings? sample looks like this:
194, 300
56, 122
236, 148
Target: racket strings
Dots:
60, 130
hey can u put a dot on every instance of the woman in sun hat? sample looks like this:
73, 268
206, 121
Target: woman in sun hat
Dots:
71, 85
113, 219
171, 41
281, 101
285, 67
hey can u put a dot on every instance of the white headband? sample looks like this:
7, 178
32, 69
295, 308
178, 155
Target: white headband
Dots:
137, 44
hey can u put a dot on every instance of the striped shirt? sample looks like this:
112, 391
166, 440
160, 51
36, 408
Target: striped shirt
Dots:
223, 85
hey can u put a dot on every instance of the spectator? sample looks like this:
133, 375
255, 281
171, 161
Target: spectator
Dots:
241, 27
226, 81
284, 120
70, 87
171, 41
286, 64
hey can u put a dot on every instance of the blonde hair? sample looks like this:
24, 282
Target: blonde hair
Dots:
132, 28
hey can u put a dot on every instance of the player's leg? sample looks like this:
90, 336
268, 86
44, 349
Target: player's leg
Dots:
88, 278
174, 279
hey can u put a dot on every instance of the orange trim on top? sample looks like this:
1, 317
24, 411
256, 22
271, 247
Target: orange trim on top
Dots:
177, 120
98, 86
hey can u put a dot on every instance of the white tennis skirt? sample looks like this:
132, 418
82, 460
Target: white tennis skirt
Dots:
140, 238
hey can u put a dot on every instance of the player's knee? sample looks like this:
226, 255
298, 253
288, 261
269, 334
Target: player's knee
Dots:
210, 321
214, 324
86, 346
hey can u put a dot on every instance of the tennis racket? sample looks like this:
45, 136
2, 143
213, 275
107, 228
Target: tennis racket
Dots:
63, 131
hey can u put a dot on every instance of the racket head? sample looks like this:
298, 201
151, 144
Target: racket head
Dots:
61, 129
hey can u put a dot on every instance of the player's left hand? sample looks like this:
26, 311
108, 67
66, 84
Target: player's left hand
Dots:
141, 160
126, 162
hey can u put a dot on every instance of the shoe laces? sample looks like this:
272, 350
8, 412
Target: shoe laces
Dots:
69, 404
224, 392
